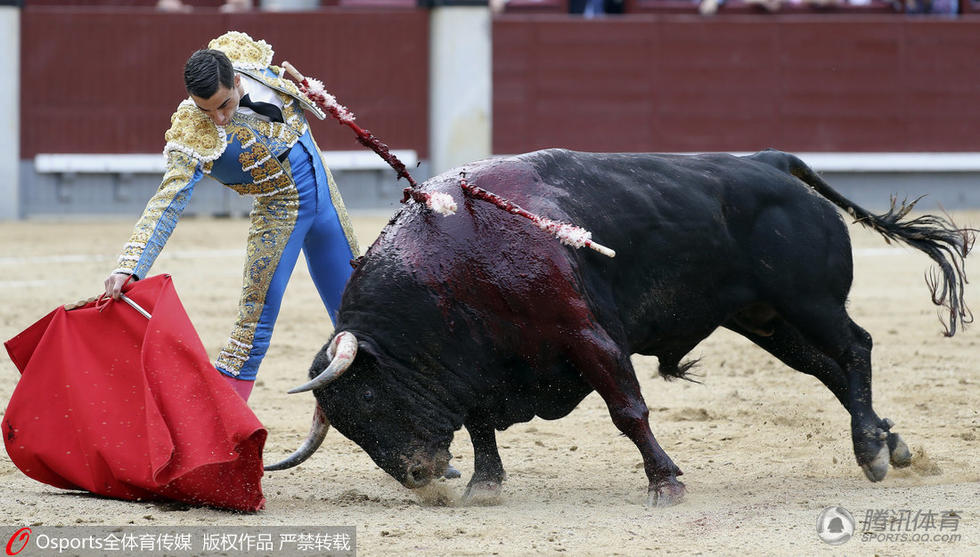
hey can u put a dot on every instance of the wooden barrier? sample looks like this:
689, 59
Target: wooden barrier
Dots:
107, 80
828, 83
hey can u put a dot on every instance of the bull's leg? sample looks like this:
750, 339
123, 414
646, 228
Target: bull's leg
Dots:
874, 444
609, 371
853, 389
488, 470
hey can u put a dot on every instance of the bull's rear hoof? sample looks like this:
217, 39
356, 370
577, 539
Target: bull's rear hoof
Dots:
899, 452
878, 467
666, 493
483, 494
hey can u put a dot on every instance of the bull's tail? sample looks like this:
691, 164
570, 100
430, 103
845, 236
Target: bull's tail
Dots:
936, 236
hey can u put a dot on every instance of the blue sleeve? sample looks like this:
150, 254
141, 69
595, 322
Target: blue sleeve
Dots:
160, 215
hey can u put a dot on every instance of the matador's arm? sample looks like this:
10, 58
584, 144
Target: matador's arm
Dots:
160, 215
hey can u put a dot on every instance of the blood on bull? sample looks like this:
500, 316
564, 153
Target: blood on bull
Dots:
481, 320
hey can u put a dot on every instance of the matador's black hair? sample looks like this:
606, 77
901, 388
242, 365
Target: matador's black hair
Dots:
205, 70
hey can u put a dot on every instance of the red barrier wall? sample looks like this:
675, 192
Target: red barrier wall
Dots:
107, 80
687, 83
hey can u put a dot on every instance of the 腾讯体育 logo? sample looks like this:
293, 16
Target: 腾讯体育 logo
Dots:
835, 525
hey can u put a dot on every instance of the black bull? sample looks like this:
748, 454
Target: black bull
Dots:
482, 320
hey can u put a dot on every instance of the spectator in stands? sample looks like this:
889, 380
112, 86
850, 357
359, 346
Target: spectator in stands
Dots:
709, 7
942, 7
236, 6
770, 5
172, 6
245, 126
228, 7
593, 8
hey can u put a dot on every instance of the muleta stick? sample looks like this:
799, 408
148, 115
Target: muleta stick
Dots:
568, 234
313, 88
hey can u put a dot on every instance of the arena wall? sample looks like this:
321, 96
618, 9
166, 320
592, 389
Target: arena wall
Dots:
105, 81
824, 83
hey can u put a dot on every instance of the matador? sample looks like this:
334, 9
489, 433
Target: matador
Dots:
244, 125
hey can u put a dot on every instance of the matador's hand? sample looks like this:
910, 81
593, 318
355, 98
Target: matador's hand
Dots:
114, 284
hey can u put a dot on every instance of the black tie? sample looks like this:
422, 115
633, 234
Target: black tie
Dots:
268, 110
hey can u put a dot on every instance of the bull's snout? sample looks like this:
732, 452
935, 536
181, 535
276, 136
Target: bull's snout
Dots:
418, 475
419, 467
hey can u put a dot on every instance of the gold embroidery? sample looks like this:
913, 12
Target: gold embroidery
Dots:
260, 174
290, 88
272, 222
243, 51
247, 158
281, 181
292, 113
260, 150
244, 135
193, 133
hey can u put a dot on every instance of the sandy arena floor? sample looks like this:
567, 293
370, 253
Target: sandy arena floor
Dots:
763, 448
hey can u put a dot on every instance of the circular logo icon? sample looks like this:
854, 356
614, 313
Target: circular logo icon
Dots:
835, 525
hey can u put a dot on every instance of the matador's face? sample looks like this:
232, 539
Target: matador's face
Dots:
221, 106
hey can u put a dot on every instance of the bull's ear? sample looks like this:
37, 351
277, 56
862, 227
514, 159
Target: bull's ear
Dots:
342, 351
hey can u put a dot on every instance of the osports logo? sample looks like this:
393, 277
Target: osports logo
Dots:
23, 536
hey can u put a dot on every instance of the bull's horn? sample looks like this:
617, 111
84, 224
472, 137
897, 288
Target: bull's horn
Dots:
342, 350
318, 431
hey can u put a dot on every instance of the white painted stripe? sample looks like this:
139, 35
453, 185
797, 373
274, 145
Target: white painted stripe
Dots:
154, 163
892, 162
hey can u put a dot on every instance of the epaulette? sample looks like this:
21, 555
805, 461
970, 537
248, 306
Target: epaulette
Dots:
193, 133
243, 51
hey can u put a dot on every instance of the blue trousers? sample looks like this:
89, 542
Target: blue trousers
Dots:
282, 226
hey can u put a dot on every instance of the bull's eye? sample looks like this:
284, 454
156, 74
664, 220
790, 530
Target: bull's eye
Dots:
368, 395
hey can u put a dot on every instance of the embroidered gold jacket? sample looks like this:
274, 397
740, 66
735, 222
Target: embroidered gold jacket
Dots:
242, 155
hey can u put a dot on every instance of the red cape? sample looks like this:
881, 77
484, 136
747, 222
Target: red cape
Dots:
131, 408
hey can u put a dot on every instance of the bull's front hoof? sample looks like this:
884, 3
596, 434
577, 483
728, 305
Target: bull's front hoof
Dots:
483, 494
899, 452
451, 473
666, 493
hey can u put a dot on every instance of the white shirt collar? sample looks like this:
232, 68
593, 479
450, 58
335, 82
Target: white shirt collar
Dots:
258, 92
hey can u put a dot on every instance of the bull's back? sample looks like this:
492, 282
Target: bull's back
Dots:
696, 236
628, 196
